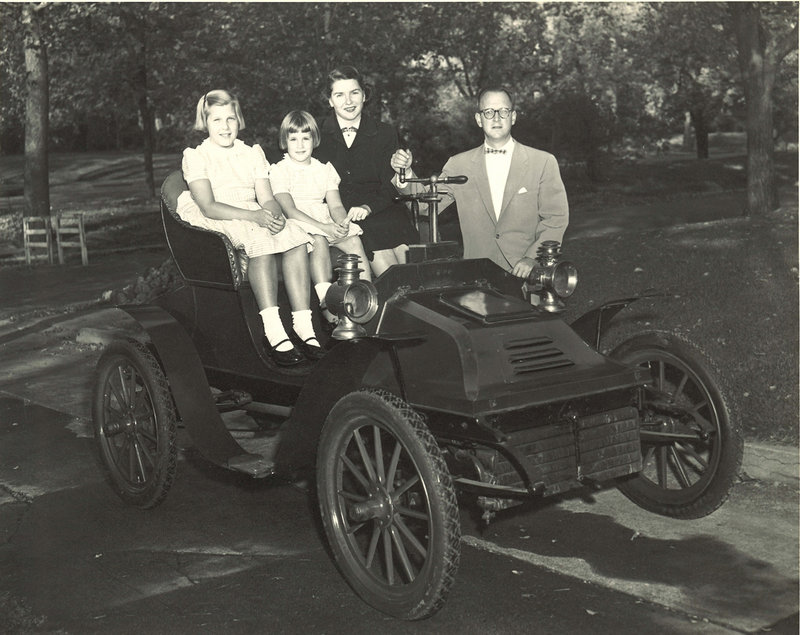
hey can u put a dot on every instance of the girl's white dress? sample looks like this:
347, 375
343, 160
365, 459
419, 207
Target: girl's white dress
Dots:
233, 172
308, 184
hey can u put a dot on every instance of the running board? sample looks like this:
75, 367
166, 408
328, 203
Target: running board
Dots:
257, 457
254, 465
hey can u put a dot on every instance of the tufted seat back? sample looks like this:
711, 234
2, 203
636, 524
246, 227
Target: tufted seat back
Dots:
202, 256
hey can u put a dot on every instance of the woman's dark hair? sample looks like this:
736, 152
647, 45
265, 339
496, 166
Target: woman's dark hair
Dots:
345, 72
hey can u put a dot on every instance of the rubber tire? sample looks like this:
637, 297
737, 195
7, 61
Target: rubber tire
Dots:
724, 447
423, 593
151, 438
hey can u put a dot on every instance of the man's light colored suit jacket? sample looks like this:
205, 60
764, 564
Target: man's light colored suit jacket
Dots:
534, 207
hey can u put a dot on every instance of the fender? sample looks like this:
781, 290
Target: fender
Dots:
191, 392
591, 325
333, 376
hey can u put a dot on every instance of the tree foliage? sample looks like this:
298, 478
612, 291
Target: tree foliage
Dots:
692, 59
12, 81
591, 79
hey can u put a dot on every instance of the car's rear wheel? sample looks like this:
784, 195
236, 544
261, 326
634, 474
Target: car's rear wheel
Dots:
691, 440
388, 504
134, 424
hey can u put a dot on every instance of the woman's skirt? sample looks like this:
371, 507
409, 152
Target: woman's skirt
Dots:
388, 229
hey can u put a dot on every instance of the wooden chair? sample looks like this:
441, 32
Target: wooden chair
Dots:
37, 235
70, 232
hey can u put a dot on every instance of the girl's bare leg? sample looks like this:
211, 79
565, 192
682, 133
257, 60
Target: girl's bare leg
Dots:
296, 277
262, 272
353, 245
320, 260
321, 272
298, 287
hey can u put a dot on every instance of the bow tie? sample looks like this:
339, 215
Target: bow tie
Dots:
493, 151
349, 129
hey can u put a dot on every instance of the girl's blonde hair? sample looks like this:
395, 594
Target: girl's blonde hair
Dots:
216, 98
298, 121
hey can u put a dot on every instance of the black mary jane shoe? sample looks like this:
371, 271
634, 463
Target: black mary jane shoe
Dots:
292, 357
312, 352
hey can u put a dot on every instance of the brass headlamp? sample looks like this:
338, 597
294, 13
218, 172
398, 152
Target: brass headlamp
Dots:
352, 300
552, 279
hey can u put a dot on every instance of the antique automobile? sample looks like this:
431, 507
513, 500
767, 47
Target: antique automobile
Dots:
441, 376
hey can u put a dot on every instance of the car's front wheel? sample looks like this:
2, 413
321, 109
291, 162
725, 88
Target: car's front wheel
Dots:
388, 504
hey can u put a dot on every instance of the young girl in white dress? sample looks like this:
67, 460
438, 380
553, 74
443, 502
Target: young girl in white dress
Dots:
308, 192
229, 192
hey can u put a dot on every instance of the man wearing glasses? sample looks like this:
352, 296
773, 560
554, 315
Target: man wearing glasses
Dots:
514, 199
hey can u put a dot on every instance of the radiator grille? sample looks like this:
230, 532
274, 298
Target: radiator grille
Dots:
534, 354
599, 447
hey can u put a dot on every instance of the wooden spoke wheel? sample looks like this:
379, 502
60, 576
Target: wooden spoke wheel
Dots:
691, 441
388, 504
134, 424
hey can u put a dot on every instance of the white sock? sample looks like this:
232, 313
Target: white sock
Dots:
322, 288
303, 326
273, 329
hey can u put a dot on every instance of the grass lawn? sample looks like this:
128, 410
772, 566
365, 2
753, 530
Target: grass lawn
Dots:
729, 284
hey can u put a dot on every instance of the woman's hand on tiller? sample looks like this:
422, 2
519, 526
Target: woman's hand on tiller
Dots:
401, 160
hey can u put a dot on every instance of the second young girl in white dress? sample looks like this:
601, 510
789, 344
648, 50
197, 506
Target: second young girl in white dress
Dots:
308, 192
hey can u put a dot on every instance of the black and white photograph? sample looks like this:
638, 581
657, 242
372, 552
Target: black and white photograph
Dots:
469, 318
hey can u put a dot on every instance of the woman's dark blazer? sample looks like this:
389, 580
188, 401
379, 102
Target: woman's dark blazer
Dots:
366, 180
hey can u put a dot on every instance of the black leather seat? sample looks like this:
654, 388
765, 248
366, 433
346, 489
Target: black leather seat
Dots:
202, 256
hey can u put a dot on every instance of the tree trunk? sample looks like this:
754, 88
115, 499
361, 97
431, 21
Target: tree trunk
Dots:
762, 192
117, 132
700, 133
37, 107
145, 110
555, 138
758, 73
688, 138
146, 114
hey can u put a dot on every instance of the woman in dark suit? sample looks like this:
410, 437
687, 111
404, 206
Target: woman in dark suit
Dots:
360, 148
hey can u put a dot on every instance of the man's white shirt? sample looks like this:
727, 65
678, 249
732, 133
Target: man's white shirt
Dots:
497, 167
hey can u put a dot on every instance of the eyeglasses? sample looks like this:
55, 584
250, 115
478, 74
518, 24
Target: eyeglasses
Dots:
489, 113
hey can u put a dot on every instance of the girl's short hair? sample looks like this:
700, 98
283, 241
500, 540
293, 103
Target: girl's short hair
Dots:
344, 72
298, 121
216, 98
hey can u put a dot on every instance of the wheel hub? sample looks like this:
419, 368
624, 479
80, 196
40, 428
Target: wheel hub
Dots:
126, 425
378, 506
130, 424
